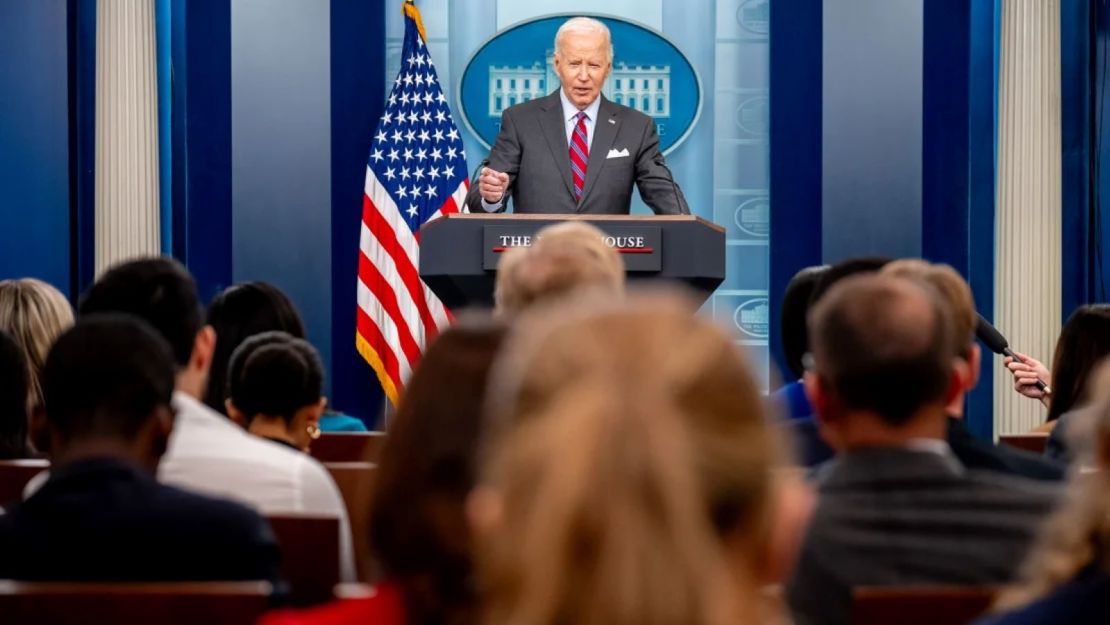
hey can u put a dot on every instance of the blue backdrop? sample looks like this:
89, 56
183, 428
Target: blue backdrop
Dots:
34, 141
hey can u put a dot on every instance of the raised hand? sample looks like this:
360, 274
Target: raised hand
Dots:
492, 184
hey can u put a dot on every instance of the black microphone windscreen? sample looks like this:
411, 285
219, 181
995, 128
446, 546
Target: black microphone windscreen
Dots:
990, 336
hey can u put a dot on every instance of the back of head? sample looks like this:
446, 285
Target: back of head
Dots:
628, 442
795, 306
563, 259
954, 292
157, 290
274, 374
34, 314
882, 344
845, 269
426, 470
13, 400
105, 377
1084, 342
241, 311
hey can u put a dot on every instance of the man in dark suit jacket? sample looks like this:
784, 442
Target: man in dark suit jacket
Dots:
102, 516
958, 302
574, 151
896, 507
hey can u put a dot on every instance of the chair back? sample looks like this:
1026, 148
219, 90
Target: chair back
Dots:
1030, 441
919, 605
14, 475
356, 484
348, 446
165, 603
309, 556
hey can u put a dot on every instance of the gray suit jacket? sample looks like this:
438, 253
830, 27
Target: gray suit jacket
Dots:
532, 148
895, 517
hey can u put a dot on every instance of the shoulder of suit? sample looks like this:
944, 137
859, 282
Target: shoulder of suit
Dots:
1005, 485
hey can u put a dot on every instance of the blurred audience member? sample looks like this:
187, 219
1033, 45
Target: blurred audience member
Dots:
563, 258
101, 516
1066, 580
629, 476
1083, 342
896, 507
956, 298
418, 531
34, 314
244, 310
275, 385
809, 447
13, 400
791, 398
207, 452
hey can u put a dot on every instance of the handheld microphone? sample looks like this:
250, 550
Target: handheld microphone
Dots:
993, 339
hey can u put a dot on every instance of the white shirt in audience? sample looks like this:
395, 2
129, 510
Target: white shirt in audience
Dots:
209, 454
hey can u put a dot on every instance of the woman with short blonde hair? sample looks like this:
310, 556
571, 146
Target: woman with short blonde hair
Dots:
628, 474
34, 314
564, 259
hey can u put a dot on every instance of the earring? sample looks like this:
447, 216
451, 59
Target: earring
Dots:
313, 431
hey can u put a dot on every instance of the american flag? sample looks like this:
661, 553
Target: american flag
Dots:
416, 172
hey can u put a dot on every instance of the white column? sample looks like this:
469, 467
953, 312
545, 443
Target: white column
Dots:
1027, 227
127, 206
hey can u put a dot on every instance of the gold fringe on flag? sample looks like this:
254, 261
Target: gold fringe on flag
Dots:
408, 9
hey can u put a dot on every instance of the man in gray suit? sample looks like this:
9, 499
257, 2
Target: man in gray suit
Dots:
574, 151
895, 506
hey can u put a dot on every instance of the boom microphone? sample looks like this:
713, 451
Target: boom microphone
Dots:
993, 339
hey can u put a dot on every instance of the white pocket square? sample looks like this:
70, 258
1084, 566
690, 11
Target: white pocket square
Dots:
617, 153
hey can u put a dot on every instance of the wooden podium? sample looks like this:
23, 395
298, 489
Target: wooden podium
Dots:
459, 252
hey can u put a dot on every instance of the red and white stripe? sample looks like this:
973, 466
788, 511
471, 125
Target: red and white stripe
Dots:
398, 314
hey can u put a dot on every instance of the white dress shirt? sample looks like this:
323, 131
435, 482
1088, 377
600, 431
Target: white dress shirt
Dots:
570, 120
211, 455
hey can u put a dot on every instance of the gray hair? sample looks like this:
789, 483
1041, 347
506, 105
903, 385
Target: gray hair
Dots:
584, 25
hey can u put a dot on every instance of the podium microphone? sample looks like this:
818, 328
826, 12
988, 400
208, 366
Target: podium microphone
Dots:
679, 204
993, 339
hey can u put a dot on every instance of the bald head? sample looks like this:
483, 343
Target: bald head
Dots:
953, 291
882, 344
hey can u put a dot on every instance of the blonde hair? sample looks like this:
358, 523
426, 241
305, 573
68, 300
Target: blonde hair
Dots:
955, 294
34, 313
563, 259
1077, 535
628, 444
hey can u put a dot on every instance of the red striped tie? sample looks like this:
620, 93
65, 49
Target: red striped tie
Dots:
579, 155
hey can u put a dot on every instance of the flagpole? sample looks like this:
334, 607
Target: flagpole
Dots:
408, 9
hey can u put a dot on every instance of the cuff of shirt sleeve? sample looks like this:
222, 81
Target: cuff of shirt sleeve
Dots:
491, 208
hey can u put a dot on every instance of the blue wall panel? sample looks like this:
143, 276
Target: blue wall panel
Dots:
82, 143
201, 129
34, 141
945, 85
357, 101
871, 128
796, 29
281, 154
1082, 278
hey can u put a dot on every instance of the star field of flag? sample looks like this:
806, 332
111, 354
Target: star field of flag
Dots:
417, 153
